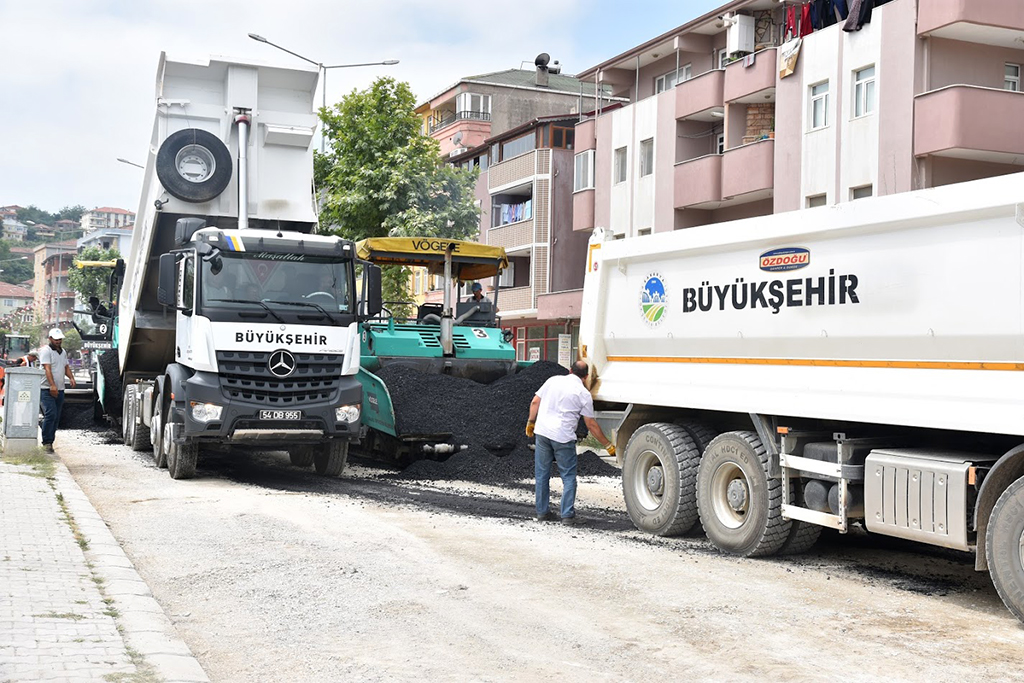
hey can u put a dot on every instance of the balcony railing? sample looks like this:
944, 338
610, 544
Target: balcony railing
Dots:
995, 131
450, 118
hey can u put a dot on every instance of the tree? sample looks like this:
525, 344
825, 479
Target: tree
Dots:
382, 176
34, 214
89, 282
72, 341
15, 269
73, 213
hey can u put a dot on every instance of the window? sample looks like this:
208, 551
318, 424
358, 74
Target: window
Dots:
562, 138
646, 157
584, 177
507, 278
670, 80
863, 91
472, 106
482, 162
720, 144
9, 303
520, 145
816, 200
188, 282
1011, 80
861, 192
819, 105
619, 166
721, 58
643, 232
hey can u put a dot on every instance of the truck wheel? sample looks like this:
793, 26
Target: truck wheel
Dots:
659, 474
181, 460
193, 165
157, 436
802, 535
740, 505
701, 434
1004, 545
128, 415
330, 460
140, 432
301, 456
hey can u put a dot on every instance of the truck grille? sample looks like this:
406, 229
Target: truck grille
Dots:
245, 376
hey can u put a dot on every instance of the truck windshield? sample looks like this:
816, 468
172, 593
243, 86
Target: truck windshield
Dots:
291, 278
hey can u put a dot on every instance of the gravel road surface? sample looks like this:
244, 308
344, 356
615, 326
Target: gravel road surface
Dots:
271, 573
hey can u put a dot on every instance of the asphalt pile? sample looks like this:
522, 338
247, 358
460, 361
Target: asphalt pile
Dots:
109, 366
489, 418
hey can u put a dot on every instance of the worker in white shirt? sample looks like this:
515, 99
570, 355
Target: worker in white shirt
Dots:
554, 413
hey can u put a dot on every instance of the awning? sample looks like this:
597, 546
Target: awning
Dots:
470, 260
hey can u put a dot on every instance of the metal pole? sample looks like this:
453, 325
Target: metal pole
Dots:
243, 171
446, 315
323, 137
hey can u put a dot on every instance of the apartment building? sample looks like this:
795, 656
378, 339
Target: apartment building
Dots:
108, 238
14, 298
727, 120
106, 217
52, 295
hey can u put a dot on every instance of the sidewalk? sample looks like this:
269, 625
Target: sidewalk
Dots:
72, 607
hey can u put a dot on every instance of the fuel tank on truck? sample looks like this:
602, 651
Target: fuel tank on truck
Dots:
904, 310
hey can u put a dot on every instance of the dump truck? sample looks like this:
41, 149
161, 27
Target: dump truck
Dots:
237, 324
858, 365
459, 338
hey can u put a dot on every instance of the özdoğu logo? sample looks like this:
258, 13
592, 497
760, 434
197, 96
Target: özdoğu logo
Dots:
787, 258
653, 299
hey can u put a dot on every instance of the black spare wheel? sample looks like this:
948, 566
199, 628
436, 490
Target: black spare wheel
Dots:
194, 165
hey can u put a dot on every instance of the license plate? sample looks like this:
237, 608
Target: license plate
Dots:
280, 414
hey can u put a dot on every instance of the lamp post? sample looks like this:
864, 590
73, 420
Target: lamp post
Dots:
131, 163
322, 67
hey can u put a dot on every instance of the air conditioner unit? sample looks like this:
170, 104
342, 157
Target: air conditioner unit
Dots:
457, 151
739, 36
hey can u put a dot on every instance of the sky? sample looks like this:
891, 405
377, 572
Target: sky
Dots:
77, 76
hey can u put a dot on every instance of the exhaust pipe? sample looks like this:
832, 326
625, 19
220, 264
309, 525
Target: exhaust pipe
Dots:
243, 170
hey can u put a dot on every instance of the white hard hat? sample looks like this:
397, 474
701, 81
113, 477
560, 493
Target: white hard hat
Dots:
55, 333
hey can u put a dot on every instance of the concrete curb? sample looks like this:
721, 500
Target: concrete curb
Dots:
145, 627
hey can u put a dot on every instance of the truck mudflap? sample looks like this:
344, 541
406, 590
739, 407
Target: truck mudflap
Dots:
249, 421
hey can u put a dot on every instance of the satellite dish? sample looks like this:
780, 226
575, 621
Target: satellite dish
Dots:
542, 59
457, 139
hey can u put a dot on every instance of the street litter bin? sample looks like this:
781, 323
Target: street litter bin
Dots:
21, 409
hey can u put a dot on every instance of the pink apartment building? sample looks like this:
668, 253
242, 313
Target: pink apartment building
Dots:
928, 93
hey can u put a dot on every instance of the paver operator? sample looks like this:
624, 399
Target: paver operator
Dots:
554, 413
55, 363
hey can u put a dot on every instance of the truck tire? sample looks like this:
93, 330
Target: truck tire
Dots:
329, 460
128, 415
659, 474
301, 456
194, 165
140, 432
182, 459
1004, 546
802, 535
701, 434
740, 505
157, 435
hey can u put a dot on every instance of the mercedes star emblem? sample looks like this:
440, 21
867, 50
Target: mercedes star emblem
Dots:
281, 363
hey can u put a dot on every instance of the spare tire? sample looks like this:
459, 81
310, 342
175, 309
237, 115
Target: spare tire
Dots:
194, 165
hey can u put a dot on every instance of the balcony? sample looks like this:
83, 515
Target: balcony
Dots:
448, 118
560, 305
698, 97
698, 183
583, 210
511, 235
748, 171
515, 299
989, 22
519, 169
970, 122
751, 83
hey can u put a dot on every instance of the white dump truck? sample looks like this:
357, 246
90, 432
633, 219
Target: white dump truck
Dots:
236, 325
860, 364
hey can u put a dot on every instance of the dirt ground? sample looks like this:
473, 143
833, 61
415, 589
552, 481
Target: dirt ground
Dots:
271, 573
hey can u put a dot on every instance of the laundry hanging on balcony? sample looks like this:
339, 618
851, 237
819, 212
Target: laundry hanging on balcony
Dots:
513, 213
860, 13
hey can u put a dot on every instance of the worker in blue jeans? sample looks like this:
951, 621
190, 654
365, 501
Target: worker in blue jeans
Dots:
54, 360
554, 413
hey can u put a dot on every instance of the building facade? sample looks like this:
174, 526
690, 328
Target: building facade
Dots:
53, 296
108, 238
728, 120
106, 217
14, 230
14, 298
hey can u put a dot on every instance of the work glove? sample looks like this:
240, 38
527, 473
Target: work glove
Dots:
529, 428
611, 450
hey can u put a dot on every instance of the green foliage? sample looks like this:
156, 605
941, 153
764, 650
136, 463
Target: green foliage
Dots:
15, 269
72, 213
36, 215
72, 341
92, 281
381, 176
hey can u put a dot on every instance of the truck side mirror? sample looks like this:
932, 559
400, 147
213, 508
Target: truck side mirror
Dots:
373, 299
166, 292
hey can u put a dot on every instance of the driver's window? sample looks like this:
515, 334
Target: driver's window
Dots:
188, 282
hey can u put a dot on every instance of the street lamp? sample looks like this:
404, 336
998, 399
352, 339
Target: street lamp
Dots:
131, 163
322, 67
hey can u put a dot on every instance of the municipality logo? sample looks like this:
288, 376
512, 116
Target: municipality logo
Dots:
653, 300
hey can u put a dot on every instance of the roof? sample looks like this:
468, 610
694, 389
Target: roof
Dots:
470, 260
523, 79
109, 209
10, 291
